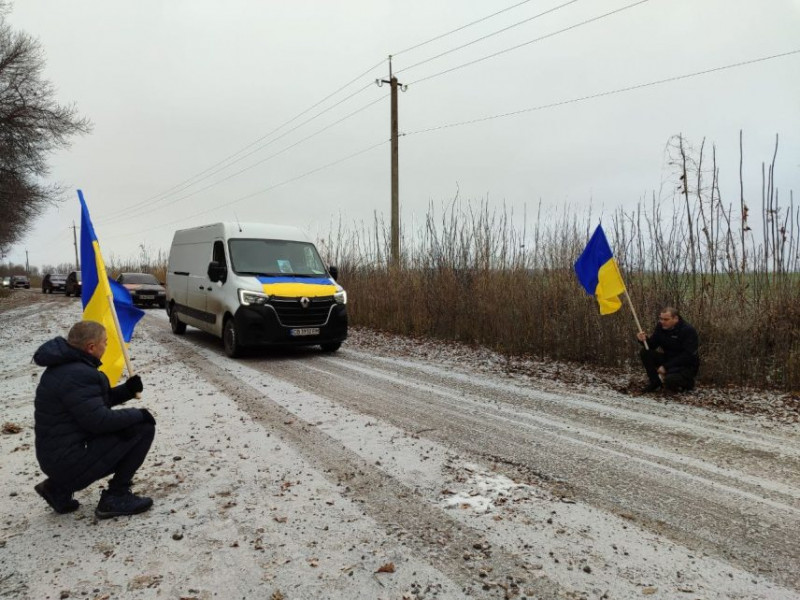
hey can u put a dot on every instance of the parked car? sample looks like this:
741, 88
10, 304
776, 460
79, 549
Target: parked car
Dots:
5, 282
145, 289
20, 281
54, 282
72, 287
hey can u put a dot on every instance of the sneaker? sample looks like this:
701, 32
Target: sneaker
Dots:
651, 387
121, 504
59, 499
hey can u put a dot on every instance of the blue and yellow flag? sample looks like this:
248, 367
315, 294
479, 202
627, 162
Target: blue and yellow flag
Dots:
599, 274
96, 293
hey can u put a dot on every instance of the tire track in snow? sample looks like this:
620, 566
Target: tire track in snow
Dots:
439, 538
566, 428
707, 518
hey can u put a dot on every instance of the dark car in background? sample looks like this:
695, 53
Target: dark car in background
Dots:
20, 281
145, 289
72, 287
54, 282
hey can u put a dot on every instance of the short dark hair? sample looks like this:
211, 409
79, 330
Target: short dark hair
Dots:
671, 310
85, 332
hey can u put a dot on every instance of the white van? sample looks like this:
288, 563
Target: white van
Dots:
254, 284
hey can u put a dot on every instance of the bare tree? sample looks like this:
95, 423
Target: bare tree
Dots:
32, 126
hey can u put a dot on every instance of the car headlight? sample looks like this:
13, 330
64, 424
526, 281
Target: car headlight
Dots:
248, 298
340, 297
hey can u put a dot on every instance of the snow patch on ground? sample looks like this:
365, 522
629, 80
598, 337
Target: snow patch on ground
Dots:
481, 491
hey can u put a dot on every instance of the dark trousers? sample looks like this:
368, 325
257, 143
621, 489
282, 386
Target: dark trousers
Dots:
119, 453
675, 380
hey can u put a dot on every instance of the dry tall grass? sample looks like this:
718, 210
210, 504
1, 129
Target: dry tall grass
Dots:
472, 274
146, 262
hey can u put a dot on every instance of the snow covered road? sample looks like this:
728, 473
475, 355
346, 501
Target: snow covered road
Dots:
389, 471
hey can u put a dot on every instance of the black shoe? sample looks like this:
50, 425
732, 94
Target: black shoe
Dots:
59, 499
651, 387
120, 504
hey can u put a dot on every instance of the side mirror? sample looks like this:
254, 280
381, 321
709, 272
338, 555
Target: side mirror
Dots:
334, 271
217, 271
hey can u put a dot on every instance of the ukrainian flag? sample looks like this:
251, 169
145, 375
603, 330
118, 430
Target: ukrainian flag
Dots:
599, 274
96, 294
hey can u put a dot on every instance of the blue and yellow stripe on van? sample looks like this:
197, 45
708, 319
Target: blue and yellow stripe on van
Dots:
294, 287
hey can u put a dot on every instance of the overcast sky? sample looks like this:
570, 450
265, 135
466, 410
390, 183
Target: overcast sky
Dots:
175, 87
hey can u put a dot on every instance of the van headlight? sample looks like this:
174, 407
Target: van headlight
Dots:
248, 298
340, 297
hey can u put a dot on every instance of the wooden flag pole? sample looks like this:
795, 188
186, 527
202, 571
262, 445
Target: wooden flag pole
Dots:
627, 296
635, 317
125, 355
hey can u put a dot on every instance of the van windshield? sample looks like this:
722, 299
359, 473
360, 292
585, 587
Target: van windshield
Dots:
275, 257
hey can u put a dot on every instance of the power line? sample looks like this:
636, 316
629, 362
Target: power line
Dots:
487, 36
273, 140
539, 39
262, 191
443, 35
287, 148
125, 213
227, 162
483, 119
213, 170
606, 93
197, 179
266, 135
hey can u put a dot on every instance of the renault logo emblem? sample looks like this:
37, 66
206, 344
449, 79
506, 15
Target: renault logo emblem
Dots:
304, 302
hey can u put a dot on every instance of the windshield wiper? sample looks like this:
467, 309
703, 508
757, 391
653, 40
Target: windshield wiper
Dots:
254, 273
260, 274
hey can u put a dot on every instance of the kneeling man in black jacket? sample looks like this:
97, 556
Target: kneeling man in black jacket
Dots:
79, 438
671, 359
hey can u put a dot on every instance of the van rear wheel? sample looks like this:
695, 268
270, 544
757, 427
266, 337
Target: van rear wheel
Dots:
178, 326
230, 339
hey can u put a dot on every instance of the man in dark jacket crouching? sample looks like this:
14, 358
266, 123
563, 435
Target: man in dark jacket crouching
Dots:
671, 360
79, 438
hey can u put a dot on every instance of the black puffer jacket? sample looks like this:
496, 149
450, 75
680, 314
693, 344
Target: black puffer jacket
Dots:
679, 345
73, 407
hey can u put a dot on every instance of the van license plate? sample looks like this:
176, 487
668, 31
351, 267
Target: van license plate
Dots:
304, 331
147, 297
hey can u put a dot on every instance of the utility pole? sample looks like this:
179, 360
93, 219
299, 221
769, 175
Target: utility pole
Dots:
27, 266
392, 81
75, 241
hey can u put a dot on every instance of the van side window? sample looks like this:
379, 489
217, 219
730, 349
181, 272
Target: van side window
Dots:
219, 253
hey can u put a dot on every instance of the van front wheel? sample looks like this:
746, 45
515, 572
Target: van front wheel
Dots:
230, 339
330, 347
178, 326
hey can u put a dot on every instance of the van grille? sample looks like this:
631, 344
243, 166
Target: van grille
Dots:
292, 314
